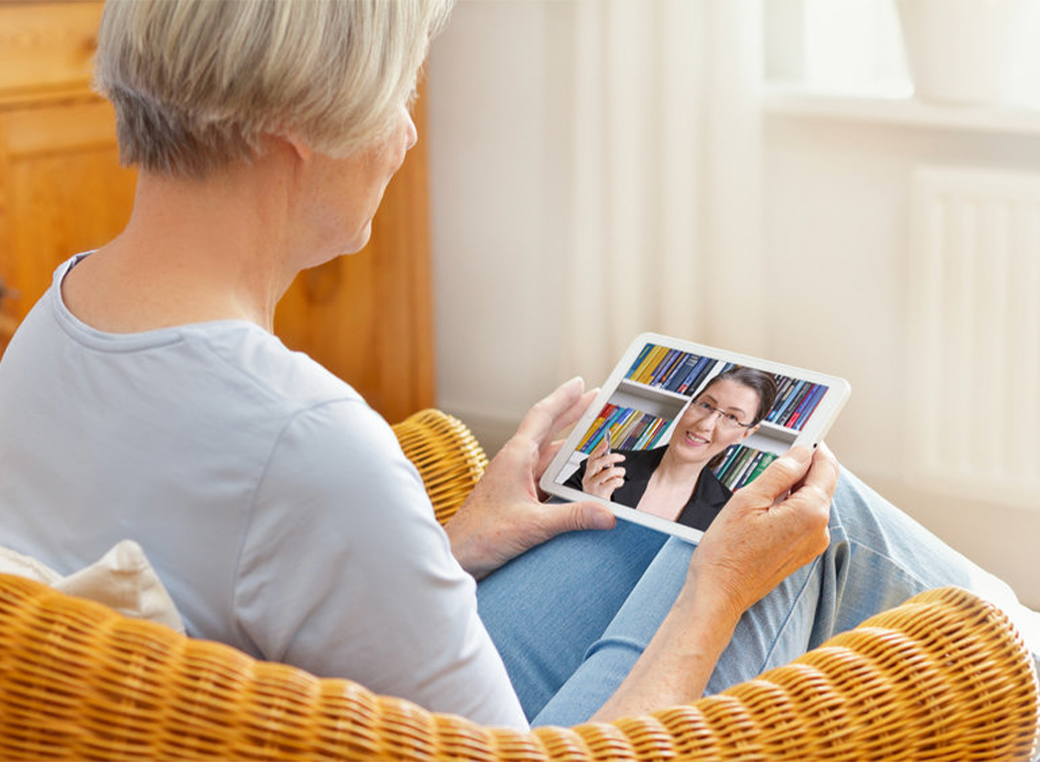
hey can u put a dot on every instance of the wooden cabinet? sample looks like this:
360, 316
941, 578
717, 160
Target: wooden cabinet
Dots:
366, 317
61, 188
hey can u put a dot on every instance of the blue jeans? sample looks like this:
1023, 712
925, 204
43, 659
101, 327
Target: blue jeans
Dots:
571, 617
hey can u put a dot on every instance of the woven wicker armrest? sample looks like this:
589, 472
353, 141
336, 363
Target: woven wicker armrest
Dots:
941, 677
447, 455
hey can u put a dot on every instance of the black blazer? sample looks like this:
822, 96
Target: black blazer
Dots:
709, 495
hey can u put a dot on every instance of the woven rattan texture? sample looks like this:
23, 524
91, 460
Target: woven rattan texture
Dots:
942, 677
448, 457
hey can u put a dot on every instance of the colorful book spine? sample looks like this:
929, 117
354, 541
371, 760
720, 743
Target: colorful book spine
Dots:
637, 432
663, 367
796, 401
652, 434
621, 430
806, 408
644, 358
693, 376
680, 372
655, 440
736, 466
743, 465
797, 406
779, 412
727, 461
649, 365
639, 360
670, 369
784, 387
764, 460
703, 371
592, 436
630, 429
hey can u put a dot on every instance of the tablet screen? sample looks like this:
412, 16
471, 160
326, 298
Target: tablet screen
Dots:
678, 427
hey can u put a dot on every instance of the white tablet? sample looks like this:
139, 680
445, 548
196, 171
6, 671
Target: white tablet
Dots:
678, 427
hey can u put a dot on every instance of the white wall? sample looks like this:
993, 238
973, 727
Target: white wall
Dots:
835, 206
496, 285
837, 197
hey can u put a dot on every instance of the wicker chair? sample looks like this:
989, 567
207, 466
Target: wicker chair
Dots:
942, 677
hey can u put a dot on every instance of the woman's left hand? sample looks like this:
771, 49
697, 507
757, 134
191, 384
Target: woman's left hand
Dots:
504, 515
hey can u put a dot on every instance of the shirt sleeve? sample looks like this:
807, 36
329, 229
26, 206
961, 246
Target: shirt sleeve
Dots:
345, 572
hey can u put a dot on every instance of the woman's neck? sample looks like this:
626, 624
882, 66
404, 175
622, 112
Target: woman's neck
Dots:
193, 251
670, 487
673, 471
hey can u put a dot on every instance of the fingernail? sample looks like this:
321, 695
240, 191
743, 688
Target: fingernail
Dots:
602, 520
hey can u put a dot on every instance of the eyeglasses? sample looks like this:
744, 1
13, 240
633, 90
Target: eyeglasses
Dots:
727, 420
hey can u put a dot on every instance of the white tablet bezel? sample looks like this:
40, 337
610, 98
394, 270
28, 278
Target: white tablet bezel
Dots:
815, 429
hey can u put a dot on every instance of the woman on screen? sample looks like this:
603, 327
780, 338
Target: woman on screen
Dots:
676, 481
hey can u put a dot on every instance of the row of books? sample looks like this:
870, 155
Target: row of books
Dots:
684, 372
630, 429
742, 465
670, 369
795, 402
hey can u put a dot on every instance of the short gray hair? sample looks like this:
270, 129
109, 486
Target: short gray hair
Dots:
196, 84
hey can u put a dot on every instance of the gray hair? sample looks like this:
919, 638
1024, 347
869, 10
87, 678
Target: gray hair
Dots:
196, 84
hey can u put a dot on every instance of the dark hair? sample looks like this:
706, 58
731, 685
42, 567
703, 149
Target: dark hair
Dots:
762, 383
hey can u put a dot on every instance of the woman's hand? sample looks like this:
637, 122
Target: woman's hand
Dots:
504, 515
767, 530
603, 475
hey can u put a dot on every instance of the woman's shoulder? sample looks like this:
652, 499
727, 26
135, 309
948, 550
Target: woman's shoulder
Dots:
291, 401
711, 488
259, 359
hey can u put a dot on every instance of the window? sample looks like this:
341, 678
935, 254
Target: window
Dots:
962, 53
845, 47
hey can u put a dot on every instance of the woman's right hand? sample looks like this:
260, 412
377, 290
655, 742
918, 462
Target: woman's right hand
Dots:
767, 530
603, 473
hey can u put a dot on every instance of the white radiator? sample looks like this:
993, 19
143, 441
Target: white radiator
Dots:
973, 391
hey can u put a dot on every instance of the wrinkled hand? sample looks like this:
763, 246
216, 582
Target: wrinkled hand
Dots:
767, 530
504, 515
603, 474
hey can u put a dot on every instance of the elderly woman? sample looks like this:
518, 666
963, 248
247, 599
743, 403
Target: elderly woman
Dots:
145, 397
676, 481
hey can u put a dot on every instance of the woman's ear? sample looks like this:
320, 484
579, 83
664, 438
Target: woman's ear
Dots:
299, 147
749, 431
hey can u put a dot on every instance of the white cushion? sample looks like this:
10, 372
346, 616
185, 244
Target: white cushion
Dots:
122, 579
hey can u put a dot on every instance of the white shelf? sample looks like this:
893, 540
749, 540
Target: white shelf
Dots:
642, 389
773, 431
900, 109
